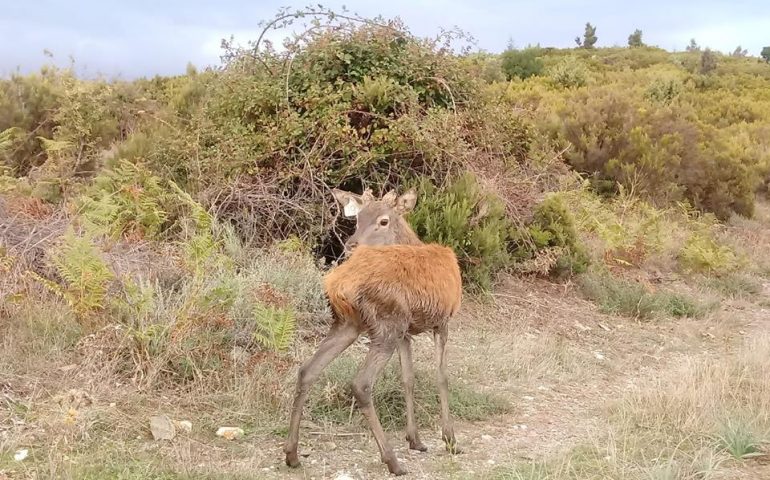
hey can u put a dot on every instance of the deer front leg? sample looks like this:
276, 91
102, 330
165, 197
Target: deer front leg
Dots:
376, 359
337, 340
407, 375
447, 429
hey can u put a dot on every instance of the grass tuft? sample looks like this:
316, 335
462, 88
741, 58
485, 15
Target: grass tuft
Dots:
623, 297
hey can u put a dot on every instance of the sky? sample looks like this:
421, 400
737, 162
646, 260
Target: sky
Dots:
136, 38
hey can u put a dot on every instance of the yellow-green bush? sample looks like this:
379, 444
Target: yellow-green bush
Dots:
552, 228
701, 253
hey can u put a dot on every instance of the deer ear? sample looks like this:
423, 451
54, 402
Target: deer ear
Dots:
406, 202
350, 202
389, 198
367, 196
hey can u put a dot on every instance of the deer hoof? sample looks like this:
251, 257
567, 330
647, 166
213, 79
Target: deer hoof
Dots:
292, 460
417, 445
395, 468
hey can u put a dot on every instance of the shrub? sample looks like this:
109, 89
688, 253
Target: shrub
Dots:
665, 90
523, 63
735, 285
659, 154
702, 254
470, 221
552, 229
569, 72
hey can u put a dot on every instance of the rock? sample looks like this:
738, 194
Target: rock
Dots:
20, 455
230, 433
184, 425
162, 428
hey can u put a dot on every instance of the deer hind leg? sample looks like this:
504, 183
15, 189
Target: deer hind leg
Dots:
337, 340
378, 356
447, 429
407, 375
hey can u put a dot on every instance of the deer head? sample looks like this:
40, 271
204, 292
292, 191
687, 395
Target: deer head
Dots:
378, 222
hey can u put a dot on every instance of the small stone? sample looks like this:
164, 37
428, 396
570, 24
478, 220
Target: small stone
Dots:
486, 437
528, 398
230, 433
184, 425
162, 428
21, 455
599, 355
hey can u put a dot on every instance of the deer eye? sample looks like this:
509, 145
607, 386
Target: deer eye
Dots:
384, 222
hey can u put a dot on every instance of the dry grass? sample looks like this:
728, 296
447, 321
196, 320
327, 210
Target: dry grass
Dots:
707, 415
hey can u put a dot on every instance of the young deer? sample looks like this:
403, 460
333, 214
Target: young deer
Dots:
392, 286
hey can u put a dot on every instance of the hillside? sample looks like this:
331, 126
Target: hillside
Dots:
163, 241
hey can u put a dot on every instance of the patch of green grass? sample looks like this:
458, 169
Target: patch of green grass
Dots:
739, 439
623, 297
735, 285
332, 399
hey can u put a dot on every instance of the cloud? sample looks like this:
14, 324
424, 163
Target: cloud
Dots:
146, 37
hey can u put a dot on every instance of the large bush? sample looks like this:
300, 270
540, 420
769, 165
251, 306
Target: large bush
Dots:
522, 63
662, 153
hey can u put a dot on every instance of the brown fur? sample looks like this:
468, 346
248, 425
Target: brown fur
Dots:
417, 286
391, 286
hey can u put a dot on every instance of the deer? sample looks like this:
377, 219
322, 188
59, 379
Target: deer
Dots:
390, 286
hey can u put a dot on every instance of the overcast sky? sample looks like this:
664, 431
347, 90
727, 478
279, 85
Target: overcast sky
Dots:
140, 37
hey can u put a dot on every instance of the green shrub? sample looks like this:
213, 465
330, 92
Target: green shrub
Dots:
523, 63
665, 90
735, 285
470, 221
658, 153
569, 72
552, 228
702, 254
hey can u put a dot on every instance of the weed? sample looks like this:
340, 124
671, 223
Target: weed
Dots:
739, 439
735, 285
632, 299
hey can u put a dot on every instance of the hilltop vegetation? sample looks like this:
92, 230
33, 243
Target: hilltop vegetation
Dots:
169, 234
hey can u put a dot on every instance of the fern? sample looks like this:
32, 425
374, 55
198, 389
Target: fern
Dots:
8, 138
203, 247
85, 275
126, 199
275, 327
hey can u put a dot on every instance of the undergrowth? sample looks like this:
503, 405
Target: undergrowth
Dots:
632, 299
332, 399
